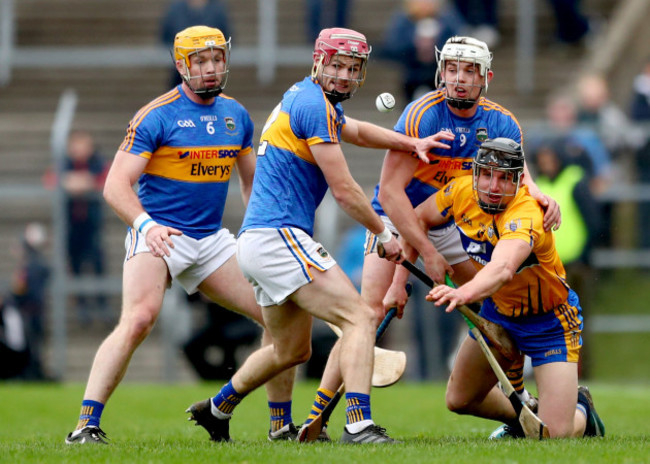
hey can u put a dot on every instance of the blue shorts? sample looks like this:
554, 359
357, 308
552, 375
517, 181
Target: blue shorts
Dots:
545, 338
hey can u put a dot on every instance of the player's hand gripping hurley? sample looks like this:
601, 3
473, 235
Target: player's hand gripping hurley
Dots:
532, 425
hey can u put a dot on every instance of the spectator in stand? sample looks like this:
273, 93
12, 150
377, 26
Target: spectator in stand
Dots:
640, 113
13, 341
572, 25
411, 39
582, 144
581, 219
482, 18
182, 14
84, 173
28, 289
327, 13
597, 111
640, 110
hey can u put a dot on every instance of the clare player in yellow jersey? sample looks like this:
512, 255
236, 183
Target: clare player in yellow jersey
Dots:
523, 286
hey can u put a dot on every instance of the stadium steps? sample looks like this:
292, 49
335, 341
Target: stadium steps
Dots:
108, 98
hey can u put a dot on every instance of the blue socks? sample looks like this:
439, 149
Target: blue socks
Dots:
280, 414
91, 413
227, 399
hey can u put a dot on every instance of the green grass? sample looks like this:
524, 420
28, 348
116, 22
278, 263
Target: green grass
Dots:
146, 424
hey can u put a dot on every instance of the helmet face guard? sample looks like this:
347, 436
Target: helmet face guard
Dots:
197, 39
497, 155
464, 50
340, 42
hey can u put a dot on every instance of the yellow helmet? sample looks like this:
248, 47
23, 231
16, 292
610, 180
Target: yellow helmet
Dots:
195, 39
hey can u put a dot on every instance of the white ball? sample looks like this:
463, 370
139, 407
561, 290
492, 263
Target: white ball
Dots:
385, 102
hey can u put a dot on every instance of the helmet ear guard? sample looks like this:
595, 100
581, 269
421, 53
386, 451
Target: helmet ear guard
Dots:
499, 154
193, 40
340, 41
468, 50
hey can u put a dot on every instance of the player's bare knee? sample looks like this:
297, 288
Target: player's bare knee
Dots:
560, 430
139, 325
456, 403
294, 356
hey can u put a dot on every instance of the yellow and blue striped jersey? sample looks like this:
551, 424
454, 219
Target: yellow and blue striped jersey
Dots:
289, 185
192, 149
539, 286
429, 115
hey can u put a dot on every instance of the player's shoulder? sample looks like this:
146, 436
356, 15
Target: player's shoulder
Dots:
494, 108
431, 100
524, 202
429, 107
233, 105
306, 99
163, 104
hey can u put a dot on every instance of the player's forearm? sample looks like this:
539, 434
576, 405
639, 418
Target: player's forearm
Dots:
353, 201
401, 213
487, 281
373, 136
121, 197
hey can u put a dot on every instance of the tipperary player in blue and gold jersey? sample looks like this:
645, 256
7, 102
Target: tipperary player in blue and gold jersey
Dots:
294, 277
181, 149
459, 112
523, 284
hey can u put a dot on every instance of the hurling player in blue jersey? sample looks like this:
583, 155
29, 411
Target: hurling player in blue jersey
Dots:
294, 276
461, 117
182, 149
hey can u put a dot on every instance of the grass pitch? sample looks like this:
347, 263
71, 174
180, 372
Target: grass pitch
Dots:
147, 423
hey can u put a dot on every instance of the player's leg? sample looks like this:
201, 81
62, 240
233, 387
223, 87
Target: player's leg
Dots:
292, 346
228, 287
376, 278
557, 385
144, 282
472, 386
332, 297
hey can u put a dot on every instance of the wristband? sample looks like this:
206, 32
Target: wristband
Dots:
143, 223
140, 220
146, 225
385, 236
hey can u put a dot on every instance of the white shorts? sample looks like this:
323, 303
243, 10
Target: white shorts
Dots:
279, 261
191, 260
446, 240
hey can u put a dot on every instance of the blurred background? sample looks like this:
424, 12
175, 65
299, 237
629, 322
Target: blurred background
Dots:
576, 74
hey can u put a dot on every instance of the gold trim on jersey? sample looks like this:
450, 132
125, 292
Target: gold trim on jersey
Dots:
164, 99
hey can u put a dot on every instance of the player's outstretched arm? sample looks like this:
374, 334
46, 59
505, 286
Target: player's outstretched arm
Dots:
365, 134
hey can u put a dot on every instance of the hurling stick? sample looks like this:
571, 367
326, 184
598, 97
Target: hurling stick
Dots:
389, 365
532, 425
311, 431
494, 332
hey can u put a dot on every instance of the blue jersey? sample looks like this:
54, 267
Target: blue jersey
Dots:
429, 115
192, 149
289, 185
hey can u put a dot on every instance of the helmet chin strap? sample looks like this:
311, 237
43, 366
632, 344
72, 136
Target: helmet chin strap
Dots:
208, 94
335, 97
460, 103
203, 94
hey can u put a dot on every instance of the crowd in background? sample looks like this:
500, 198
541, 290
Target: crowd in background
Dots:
578, 151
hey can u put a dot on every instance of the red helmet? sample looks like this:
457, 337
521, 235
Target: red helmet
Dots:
340, 41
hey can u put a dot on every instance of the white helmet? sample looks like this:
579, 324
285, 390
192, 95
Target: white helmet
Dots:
469, 50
